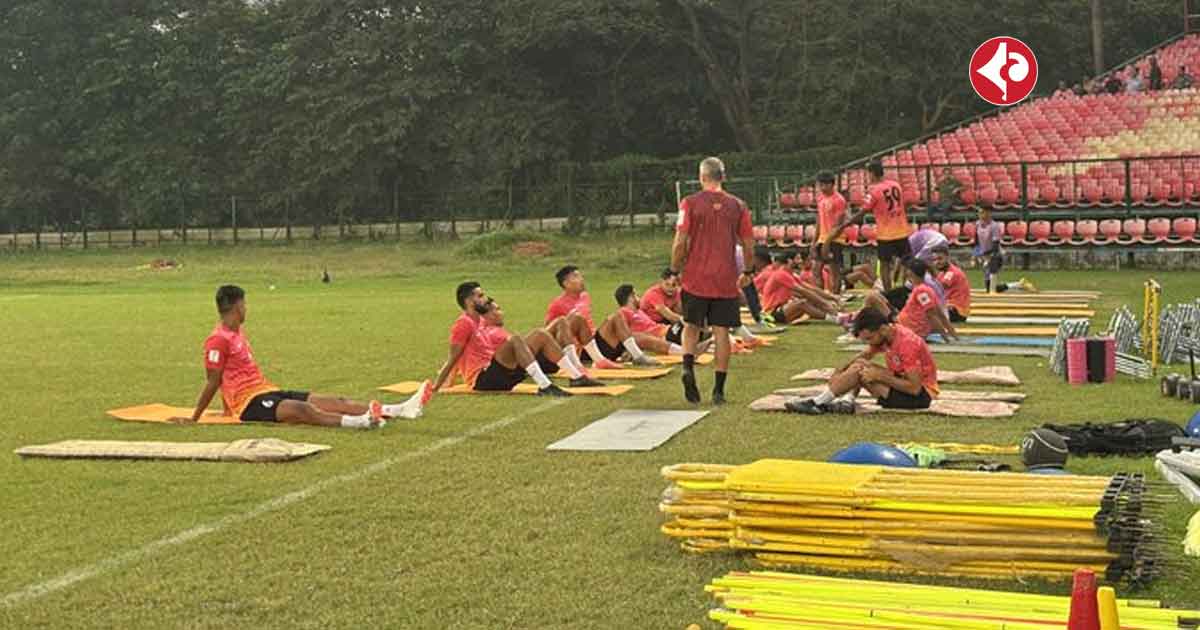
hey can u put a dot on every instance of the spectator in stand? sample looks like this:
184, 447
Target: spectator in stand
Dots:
1080, 89
1097, 85
1062, 90
1113, 84
949, 193
1134, 84
1183, 80
1155, 75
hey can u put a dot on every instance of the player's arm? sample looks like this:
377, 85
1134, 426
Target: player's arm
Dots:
909, 382
679, 251
211, 386
865, 355
451, 360
941, 324
666, 313
851, 218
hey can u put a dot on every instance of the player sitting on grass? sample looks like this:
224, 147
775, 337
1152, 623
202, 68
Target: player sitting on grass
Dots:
605, 344
481, 365
788, 299
917, 305
649, 334
248, 396
662, 302
954, 281
551, 355
909, 381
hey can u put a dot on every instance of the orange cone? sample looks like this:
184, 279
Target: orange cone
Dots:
1085, 611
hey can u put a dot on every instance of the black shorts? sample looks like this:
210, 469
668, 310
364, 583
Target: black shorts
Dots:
779, 316
956, 317
897, 297
702, 311
609, 352
497, 378
995, 263
897, 399
263, 407
675, 334
889, 250
548, 367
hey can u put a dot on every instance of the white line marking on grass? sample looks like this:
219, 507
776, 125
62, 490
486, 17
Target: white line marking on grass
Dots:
74, 576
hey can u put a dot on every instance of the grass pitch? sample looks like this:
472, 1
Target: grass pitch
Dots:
462, 529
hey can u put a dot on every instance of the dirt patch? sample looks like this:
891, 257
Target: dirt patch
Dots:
532, 249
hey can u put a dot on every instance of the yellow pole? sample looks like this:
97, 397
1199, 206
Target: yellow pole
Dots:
1106, 597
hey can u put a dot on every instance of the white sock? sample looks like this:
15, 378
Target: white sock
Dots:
535, 371
565, 365
848, 397
357, 422
825, 397
410, 409
676, 350
632, 348
594, 351
571, 353
831, 317
745, 333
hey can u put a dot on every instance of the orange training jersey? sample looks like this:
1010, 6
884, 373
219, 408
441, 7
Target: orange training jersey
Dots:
885, 200
241, 380
831, 209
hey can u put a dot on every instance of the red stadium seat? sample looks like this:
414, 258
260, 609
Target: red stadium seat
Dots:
1159, 230
851, 233
794, 233
1039, 232
951, 230
1133, 230
1138, 193
967, 196
1092, 192
805, 199
1015, 232
788, 200
1087, 231
968, 233
988, 196
857, 196
1010, 195
1185, 230
777, 234
810, 233
1064, 232
868, 233
1047, 194
760, 233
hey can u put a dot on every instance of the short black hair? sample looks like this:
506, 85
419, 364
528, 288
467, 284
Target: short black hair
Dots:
463, 292
917, 266
763, 254
669, 273
561, 274
875, 167
622, 294
941, 249
825, 177
228, 296
869, 319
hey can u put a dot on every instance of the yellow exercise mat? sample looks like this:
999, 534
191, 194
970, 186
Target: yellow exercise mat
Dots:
1046, 310
623, 374
158, 412
408, 388
1023, 331
254, 450
1080, 295
675, 359
1015, 305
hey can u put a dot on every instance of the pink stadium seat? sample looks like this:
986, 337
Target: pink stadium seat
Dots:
810, 233
951, 230
868, 233
777, 234
968, 233
1160, 191
805, 199
911, 195
857, 196
851, 233
1114, 191
1092, 192
1159, 230
1015, 232
988, 196
760, 233
1047, 194
1087, 231
788, 200
1010, 195
1133, 230
1064, 232
1039, 231
794, 233
967, 195
1185, 230
1138, 193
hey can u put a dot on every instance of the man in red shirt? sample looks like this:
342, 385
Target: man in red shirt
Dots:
661, 302
551, 355
711, 224
909, 381
249, 396
827, 249
605, 344
652, 335
954, 281
481, 365
788, 299
885, 201
917, 308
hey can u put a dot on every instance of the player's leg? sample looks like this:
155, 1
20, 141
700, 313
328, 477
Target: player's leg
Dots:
616, 333
338, 404
296, 408
835, 269
566, 333
838, 394
515, 355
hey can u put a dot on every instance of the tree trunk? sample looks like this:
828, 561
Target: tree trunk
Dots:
1098, 36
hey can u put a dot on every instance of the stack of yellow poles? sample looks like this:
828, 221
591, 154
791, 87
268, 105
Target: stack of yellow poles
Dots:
769, 601
913, 521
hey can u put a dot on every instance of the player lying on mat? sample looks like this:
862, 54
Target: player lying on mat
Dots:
909, 380
651, 335
604, 344
248, 395
917, 305
989, 254
552, 347
954, 282
489, 368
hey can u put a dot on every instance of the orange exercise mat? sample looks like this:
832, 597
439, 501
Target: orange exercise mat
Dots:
408, 388
158, 412
622, 374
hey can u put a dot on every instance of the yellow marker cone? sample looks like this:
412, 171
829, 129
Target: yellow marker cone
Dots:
1106, 597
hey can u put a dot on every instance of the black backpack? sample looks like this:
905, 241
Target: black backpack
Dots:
1135, 436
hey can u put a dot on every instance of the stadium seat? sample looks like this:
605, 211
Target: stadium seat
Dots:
805, 199
1010, 195
1015, 231
967, 236
989, 196
1087, 231
810, 233
852, 235
1039, 232
777, 235
1092, 192
1185, 230
857, 196
951, 230
1138, 193
760, 233
1158, 230
967, 196
1132, 230
788, 200
868, 233
794, 234
1047, 195
1064, 232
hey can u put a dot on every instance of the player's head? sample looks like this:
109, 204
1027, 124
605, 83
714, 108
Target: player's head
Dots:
871, 327
626, 296
941, 257
669, 282
491, 312
231, 303
826, 180
762, 258
875, 168
570, 278
915, 270
468, 295
712, 170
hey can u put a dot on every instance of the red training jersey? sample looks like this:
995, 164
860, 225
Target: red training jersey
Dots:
567, 304
494, 336
915, 314
241, 380
760, 278
907, 352
958, 289
715, 222
477, 351
886, 202
639, 322
778, 289
831, 210
655, 297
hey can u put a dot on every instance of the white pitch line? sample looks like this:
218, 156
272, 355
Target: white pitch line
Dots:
80, 574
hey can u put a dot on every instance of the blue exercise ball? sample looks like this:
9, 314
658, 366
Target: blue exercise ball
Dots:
874, 454
1047, 470
1193, 426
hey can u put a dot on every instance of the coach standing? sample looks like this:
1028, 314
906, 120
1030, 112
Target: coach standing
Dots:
711, 224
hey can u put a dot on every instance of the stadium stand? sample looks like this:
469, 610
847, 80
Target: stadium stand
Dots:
1103, 169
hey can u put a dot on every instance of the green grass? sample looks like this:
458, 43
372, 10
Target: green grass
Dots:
491, 532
